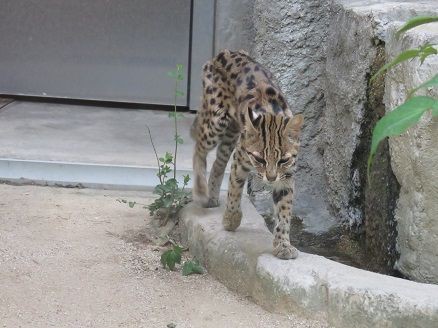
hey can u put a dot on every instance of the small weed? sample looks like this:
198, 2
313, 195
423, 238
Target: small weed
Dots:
173, 256
171, 195
192, 267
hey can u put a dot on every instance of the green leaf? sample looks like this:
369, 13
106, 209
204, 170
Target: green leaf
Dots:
167, 202
165, 169
428, 84
172, 184
179, 140
416, 21
186, 179
191, 267
399, 120
158, 190
405, 55
168, 158
179, 93
177, 74
173, 114
171, 257
131, 204
172, 74
426, 51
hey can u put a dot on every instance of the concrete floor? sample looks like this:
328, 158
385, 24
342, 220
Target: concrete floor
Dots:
73, 144
88, 134
78, 258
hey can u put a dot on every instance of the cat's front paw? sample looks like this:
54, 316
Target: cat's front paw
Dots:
285, 251
232, 219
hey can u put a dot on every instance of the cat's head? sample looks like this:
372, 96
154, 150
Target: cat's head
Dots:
271, 143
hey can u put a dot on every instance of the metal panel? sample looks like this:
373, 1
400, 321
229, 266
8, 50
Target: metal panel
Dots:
94, 49
202, 45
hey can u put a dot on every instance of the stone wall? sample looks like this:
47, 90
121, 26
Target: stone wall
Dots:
234, 25
289, 40
398, 210
323, 53
350, 53
414, 158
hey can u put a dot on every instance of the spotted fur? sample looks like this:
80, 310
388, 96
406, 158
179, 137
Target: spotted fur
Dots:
244, 110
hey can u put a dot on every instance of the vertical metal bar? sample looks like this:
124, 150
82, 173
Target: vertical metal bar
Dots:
189, 64
202, 45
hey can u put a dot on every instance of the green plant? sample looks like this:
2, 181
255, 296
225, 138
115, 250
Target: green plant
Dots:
173, 256
192, 267
409, 113
171, 196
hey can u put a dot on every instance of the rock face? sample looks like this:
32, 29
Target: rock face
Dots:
289, 40
354, 105
323, 53
234, 27
414, 158
398, 210
310, 285
350, 53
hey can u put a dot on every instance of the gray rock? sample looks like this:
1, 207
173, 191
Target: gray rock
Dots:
234, 28
311, 285
323, 52
350, 53
414, 160
289, 40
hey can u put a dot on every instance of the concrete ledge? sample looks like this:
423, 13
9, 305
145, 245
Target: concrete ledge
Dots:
310, 285
89, 175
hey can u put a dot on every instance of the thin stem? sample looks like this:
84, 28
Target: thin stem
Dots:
176, 126
156, 154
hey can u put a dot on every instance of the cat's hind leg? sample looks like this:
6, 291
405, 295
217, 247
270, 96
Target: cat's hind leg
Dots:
209, 127
205, 141
223, 154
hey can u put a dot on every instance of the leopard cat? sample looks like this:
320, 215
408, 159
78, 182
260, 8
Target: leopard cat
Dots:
245, 111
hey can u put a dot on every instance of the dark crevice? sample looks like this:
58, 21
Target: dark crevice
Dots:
375, 199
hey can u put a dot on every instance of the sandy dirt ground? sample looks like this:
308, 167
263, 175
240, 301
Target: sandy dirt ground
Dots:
78, 258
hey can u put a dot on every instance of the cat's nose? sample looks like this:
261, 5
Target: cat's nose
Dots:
271, 178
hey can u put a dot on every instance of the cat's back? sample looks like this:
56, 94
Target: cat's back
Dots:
236, 79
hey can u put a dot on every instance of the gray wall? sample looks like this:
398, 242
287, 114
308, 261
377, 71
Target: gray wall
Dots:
288, 37
415, 163
323, 52
289, 40
234, 28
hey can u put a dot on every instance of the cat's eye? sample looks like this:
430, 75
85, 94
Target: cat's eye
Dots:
283, 160
258, 158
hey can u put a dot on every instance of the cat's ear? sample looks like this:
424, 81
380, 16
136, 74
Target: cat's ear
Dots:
294, 125
252, 120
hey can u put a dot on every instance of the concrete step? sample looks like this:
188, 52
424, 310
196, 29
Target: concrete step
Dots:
76, 145
310, 285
